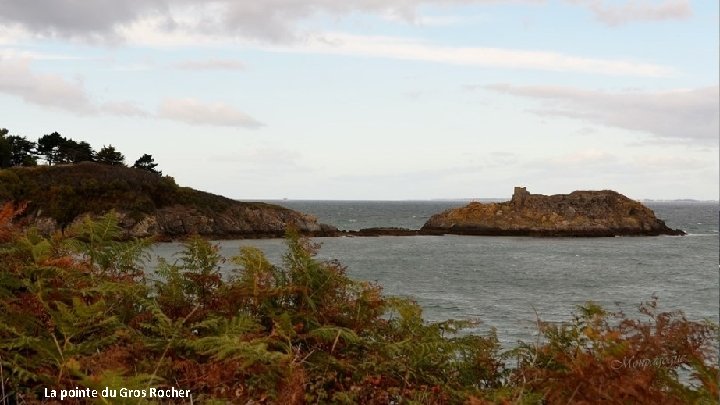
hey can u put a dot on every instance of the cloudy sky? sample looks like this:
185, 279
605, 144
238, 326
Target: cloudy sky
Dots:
378, 99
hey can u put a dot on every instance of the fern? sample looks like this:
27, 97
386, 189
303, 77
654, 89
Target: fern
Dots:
114, 380
333, 334
98, 242
74, 311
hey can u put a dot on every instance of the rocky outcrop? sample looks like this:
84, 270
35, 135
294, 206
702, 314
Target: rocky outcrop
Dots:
240, 221
580, 213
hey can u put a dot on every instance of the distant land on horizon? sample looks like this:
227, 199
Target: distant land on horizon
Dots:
464, 199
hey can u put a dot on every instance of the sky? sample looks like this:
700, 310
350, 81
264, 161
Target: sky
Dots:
378, 99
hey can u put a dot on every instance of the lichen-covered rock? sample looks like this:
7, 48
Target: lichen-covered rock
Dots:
580, 213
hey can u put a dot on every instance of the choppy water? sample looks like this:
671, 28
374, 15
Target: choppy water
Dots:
502, 281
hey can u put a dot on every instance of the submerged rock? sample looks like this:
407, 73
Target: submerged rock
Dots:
580, 213
382, 231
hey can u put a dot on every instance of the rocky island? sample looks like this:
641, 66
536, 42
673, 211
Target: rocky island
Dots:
580, 213
148, 205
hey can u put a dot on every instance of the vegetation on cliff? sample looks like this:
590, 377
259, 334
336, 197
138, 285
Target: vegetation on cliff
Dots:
65, 193
81, 310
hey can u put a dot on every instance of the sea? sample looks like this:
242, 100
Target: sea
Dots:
509, 283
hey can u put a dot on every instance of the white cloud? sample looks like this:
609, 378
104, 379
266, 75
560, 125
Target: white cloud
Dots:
673, 162
686, 114
47, 90
613, 14
149, 33
195, 112
53, 91
212, 64
10, 35
123, 108
10, 53
438, 20
16, 78
411, 49
260, 160
584, 157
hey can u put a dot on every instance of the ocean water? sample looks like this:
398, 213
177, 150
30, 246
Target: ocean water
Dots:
508, 282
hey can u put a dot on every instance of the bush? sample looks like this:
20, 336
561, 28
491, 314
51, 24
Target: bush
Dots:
78, 311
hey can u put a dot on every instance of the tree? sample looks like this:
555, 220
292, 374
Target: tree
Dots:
75, 152
49, 147
109, 156
146, 162
5, 151
16, 150
22, 151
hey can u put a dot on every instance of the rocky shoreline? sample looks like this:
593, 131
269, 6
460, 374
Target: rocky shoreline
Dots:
147, 205
239, 221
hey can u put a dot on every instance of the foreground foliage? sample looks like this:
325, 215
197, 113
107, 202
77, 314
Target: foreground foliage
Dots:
80, 311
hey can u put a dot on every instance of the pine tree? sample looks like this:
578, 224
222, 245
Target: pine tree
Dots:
109, 156
49, 147
146, 162
22, 151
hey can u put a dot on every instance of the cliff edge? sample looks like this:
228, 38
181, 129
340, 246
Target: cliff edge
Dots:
147, 204
580, 213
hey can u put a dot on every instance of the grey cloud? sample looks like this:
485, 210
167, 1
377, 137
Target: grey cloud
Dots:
691, 115
275, 19
614, 14
195, 112
72, 17
269, 19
